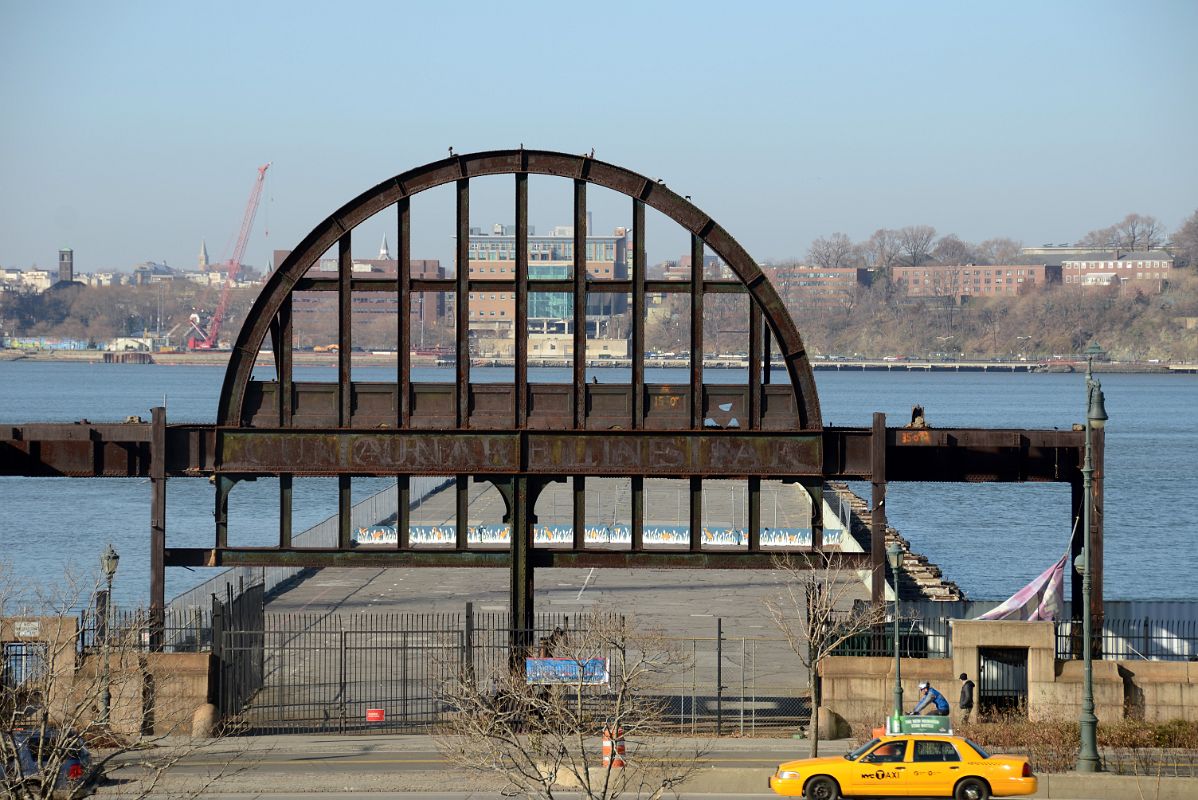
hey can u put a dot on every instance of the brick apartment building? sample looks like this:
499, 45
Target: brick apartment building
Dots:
1146, 271
971, 280
432, 307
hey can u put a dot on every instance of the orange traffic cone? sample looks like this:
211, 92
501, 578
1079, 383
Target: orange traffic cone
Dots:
613, 748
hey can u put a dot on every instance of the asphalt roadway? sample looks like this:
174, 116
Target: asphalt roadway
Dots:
401, 766
410, 768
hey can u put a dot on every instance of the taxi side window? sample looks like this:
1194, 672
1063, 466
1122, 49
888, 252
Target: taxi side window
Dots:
888, 753
936, 751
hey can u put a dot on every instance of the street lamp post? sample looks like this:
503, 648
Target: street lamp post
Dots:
895, 553
108, 563
1096, 417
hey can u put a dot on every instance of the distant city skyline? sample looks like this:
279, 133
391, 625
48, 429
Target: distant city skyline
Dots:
133, 131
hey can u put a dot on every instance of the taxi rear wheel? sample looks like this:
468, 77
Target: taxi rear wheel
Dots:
972, 789
822, 787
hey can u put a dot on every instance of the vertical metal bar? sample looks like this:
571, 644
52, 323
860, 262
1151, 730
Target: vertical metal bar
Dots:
462, 514
223, 486
638, 314
286, 483
877, 518
743, 664
580, 304
1077, 604
755, 365
522, 570
462, 364
696, 339
157, 524
468, 643
403, 345
753, 687
816, 493
403, 511
696, 514
765, 356
578, 497
284, 359
719, 676
638, 512
754, 514
1097, 449
345, 342
341, 682
521, 349
404, 699
345, 508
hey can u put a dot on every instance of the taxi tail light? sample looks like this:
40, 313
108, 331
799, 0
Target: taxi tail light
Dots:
75, 773
1027, 770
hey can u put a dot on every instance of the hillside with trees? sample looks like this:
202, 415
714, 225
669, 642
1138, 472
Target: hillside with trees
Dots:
874, 321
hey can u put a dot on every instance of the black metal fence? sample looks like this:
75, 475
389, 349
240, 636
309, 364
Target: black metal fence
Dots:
1133, 639
183, 631
384, 673
929, 637
1121, 639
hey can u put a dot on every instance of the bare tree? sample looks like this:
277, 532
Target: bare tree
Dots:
915, 242
1134, 232
952, 250
1140, 232
540, 735
881, 249
815, 610
1185, 242
1000, 250
74, 714
834, 251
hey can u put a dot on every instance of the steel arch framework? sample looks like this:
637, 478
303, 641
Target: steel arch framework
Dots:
521, 436
634, 430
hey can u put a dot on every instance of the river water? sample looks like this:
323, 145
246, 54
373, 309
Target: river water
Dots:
989, 538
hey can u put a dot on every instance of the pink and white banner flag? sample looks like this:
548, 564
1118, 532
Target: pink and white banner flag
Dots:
1041, 600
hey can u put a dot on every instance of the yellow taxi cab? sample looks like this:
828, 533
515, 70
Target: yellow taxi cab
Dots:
908, 765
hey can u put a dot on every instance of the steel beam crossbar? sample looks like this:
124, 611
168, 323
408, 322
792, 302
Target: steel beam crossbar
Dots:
726, 454
483, 557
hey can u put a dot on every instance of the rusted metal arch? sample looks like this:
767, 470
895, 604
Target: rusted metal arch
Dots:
336, 229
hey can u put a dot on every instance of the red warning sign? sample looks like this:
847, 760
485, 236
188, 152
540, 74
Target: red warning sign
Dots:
375, 715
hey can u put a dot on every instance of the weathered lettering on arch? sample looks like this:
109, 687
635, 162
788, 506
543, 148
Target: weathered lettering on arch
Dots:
539, 453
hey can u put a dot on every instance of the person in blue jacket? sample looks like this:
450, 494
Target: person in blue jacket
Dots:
932, 700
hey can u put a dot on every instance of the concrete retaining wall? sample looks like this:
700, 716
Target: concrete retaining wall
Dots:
859, 688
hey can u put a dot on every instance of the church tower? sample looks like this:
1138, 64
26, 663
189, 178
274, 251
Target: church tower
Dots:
203, 256
384, 251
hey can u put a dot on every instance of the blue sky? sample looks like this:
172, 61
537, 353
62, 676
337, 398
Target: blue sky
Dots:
131, 130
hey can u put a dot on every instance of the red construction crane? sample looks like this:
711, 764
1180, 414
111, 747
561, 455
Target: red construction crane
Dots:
206, 339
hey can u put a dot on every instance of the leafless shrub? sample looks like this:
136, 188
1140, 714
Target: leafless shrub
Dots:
59, 700
815, 610
544, 738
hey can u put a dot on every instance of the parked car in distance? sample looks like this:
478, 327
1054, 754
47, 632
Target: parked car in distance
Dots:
41, 756
908, 765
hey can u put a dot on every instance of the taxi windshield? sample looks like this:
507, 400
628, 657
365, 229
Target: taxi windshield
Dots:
853, 755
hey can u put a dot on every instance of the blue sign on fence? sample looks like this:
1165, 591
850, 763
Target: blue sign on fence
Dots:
592, 672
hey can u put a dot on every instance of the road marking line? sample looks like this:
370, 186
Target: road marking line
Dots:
584, 584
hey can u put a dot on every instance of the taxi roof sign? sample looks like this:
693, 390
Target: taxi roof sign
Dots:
919, 724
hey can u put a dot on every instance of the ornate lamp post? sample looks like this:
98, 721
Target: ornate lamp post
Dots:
895, 554
1096, 417
108, 563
